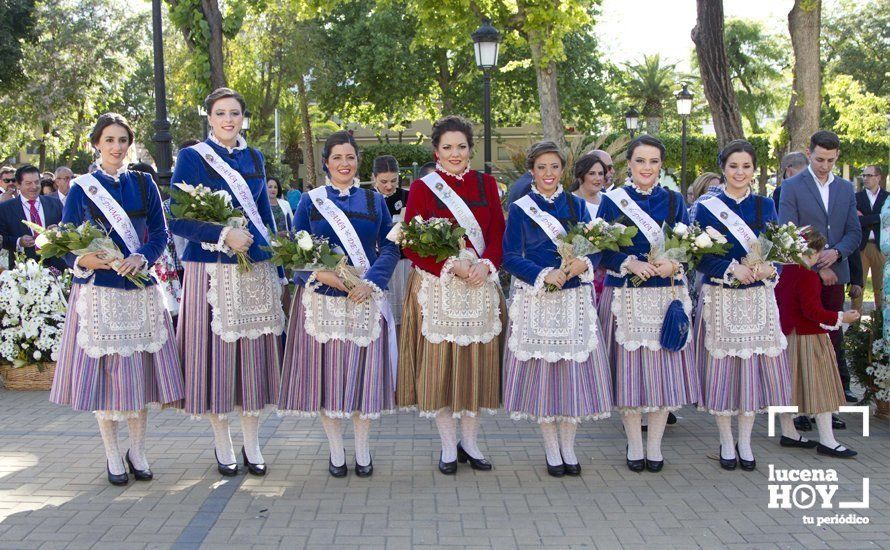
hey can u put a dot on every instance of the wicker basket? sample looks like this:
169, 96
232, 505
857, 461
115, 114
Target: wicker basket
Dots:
28, 377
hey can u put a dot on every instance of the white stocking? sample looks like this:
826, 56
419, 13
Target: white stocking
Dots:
657, 422
634, 431
222, 439
448, 433
334, 430
108, 429
826, 431
746, 426
567, 442
362, 427
250, 428
727, 445
551, 443
788, 430
137, 427
469, 432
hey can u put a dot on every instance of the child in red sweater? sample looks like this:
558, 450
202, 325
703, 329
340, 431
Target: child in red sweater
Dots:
815, 382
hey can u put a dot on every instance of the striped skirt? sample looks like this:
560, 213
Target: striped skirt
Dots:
646, 380
815, 381
116, 387
466, 379
398, 285
562, 391
338, 376
733, 385
221, 377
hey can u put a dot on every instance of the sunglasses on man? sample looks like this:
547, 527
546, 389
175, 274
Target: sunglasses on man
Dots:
8, 180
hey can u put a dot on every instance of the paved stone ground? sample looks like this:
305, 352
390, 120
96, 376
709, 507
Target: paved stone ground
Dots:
53, 492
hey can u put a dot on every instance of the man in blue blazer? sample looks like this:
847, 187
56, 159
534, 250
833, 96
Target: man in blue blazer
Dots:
818, 198
28, 206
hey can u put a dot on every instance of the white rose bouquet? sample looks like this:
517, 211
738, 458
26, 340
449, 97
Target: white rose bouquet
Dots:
302, 251
591, 237
784, 244
199, 203
32, 314
687, 244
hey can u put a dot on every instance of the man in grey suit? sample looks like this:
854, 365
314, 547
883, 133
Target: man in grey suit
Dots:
818, 198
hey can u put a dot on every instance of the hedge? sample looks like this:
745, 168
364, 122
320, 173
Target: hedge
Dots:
405, 153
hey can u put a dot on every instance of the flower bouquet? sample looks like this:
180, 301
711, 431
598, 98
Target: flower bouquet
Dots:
687, 244
583, 239
435, 237
302, 251
784, 244
80, 240
199, 203
32, 314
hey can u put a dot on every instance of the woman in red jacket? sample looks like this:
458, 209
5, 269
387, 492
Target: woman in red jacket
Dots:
451, 340
815, 383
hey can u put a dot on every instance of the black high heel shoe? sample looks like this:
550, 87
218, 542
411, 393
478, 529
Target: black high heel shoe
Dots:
228, 470
140, 475
364, 471
447, 468
634, 465
116, 479
654, 466
475, 463
556, 471
727, 463
255, 469
747, 465
337, 471
571, 469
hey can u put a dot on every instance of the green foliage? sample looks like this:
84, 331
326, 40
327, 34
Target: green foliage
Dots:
16, 26
438, 238
858, 340
855, 41
405, 153
302, 251
848, 109
649, 83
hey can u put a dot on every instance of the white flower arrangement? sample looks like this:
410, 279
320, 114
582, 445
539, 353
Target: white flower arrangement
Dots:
880, 368
32, 314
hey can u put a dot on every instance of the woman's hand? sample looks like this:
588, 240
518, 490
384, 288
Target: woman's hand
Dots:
331, 279
743, 274
461, 269
666, 268
239, 239
130, 265
360, 293
764, 271
477, 274
575, 268
93, 261
643, 270
850, 316
557, 278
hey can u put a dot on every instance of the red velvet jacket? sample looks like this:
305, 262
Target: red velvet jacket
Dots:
799, 296
483, 200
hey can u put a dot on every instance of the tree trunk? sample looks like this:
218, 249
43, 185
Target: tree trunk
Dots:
308, 150
548, 93
653, 125
713, 64
806, 90
215, 46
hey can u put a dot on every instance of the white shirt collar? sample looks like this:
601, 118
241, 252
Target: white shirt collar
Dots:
873, 195
552, 198
741, 200
820, 184
343, 192
240, 143
27, 204
460, 176
640, 191
116, 176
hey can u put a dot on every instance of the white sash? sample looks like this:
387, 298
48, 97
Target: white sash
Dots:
237, 185
736, 225
545, 221
459, 208
342, 227
651, 230
111, 209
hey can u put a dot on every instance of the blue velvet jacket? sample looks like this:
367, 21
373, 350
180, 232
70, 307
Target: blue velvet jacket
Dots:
138, 195
194, 170
367, 211
657, 204
528, 250
756, 210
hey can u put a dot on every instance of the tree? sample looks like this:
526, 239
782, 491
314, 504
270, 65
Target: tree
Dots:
802, 119
856, 42
649, 84
756, 62
851, 111
16, 26
713, 64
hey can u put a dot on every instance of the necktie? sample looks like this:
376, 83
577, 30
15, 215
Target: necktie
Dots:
35, 217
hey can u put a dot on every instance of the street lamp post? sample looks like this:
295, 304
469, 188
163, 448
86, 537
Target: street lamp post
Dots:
684, 107
486, 41
632, 121
162, 137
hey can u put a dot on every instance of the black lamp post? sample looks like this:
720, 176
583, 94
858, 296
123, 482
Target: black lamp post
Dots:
486, 40
684, 107
162, 137
632, 121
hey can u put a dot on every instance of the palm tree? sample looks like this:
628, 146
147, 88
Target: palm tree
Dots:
649, 83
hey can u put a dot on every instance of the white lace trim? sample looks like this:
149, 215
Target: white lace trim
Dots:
339, 318
518, 416
455, 414
552, 198
728, 277
334, 414
836, 326
646, 409
237, 409
587, 276
77, 270
244, 305
553, 325
624, 269
539, 281
220, 245
119, 416
117, 321
639, 314
460, 176
641, 191
240, 142
734, 412
741, 322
